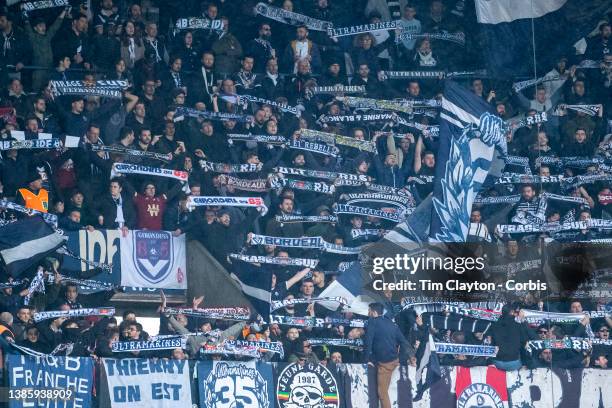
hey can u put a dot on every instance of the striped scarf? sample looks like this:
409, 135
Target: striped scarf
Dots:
274, 260
221, 313
279, 304
72, 313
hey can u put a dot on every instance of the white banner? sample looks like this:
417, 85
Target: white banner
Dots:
153, 259
505, 11
158, 383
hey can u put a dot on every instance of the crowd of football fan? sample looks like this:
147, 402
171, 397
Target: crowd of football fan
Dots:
167, 68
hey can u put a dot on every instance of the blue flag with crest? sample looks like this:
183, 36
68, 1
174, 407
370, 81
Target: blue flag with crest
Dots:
469, 134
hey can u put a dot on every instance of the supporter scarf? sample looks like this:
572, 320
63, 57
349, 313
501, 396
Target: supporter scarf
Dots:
431, 74
126, 168
567, 199
303, 242
390, 199
255, 185
208, 201
222, 313
362, 233
230, 168
587, 64
338, 89
30, 144
291, 18
144, 345
538, 317
519, 86
290, 219
473, 313
279, 304
43, 4
601, 342
269, 139
421, 111
280, 106
28, 351
314, 147
226, 348
538, 118
280, 182
65, 251
131, 152
328, 175
182, 112
605, 148
37, 285
275, 260
331, 138
272, 347
475, 350
529, 179
511, 199
315, 321
338, 249
605, 168
107, 88
426, 130
369, 212
366, 117
458, 323
356, 343
555, 226
364, 28
420, 103
572, 182
91, 311
410, 302
512, 268
369, 103
380, 188
573, 161
517, 160
400, 206
591, 110
560, 344
198, 23
13, 284
48, 217
84, 284
424, 179
215, 334
458, 38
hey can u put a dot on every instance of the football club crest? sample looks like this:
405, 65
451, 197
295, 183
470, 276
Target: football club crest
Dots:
479, 395
307, 386
153, 254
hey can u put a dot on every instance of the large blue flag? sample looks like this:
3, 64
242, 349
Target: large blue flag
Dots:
509, 32
469, 134
256, 284
25, 242
348, 285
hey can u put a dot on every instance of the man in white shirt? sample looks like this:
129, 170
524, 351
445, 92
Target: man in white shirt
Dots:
302, 49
